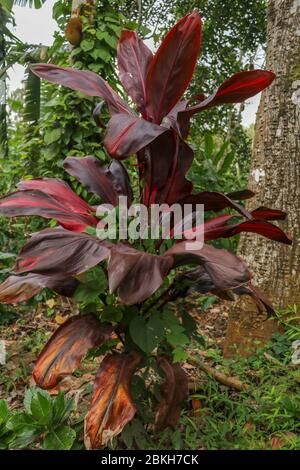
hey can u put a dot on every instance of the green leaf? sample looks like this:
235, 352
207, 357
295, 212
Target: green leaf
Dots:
147, 336
41, 407
176, 336
93, 284
61, 408
111, 314
227, 163
27, 399
24, 438
221, 152
62, 438
20, 420
87, 45
52, 136
208, 145
4, 413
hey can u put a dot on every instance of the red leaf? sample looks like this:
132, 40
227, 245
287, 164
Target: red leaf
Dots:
226, 270
85, 81
67, 346
216, 202
268, 214
33, 202
20, 288
135, 275
198, 280
238, 88
165, 165
260, 227
111, 406
134, 58
107, 182
172, 67
61, 251
173, 392
241, 195
216, 228
126, 135
60, 191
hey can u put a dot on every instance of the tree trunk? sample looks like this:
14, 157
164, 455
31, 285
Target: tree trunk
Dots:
275, 178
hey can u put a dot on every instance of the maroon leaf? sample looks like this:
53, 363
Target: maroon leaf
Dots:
173, 392
126, 135
112, 406
20, 288
33, 202
67, 346
268, 214
60, 191
226, 270
172, 67
107, 182
241, 195
135, 275
260, 227
217, 228
238, 88
134, 58
85, 81
214, 201
165, 164
198, 280
61, 251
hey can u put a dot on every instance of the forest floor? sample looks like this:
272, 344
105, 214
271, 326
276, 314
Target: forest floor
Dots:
264, 415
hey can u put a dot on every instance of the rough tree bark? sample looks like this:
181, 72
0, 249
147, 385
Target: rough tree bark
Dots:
275, 178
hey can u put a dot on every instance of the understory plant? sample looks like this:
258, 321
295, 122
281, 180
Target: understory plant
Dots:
124, 287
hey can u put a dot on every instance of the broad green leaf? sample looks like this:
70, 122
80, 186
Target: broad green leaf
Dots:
111, 314
147, 335
52, 136
61, 438
87, 45
41, 407
61, 408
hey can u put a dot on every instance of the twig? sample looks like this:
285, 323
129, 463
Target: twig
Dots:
231, 382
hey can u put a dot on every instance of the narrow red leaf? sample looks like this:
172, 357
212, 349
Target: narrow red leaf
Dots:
216, 202
107, 182
172, 67
268, 214
61, 251
238, 88
241, 195
173, 392
67, 346
134, 58
85, 81
33, 202
59, 190
112, 406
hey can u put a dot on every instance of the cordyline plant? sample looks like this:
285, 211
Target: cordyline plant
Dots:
156, 131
